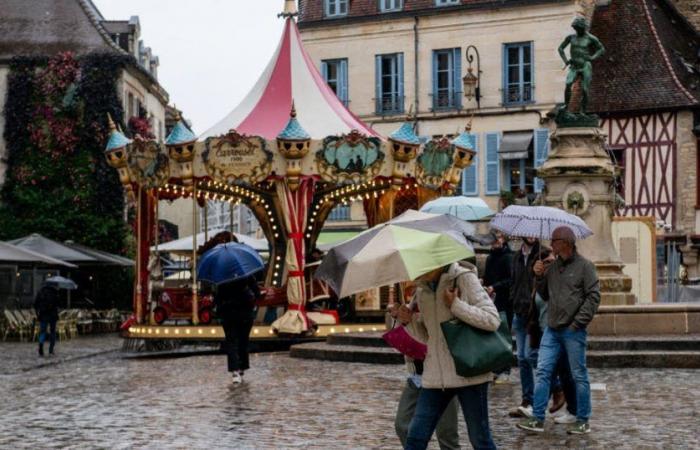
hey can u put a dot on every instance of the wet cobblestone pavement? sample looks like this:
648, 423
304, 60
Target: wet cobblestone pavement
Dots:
109, 402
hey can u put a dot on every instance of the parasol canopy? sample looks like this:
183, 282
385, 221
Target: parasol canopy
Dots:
464, 208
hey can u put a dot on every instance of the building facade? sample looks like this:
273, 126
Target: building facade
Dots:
390, 58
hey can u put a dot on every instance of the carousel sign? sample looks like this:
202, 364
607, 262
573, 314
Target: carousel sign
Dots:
236, 157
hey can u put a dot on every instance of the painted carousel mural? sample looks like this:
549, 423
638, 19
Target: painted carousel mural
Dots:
291, 152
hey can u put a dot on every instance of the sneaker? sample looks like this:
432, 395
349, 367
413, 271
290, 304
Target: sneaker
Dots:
237, 379
558, 402
579, 428
515, 412
526, 411
565, 418
532, 425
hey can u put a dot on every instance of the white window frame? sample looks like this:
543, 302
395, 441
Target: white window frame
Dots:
390, 5
446, 2
336, 8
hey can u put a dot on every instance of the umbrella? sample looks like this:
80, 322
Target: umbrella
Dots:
464, 208
538, 222
61, 283
229, 262
400, 250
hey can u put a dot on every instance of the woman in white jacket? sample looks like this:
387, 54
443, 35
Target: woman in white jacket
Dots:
439, 301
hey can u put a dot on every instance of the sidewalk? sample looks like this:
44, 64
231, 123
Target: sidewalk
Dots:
17, 357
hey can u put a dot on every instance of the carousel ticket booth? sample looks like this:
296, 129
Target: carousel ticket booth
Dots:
291, 152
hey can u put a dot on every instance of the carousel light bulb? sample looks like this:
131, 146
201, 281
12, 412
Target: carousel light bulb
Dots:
277, 235
270, 331
332, 330
310, 227
308, 236
213, 331
256, 331
278, 258
274, 227
276, 274
187, 331
167, 331
200, 331
277, 266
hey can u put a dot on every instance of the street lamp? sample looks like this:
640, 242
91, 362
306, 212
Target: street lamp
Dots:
472, 88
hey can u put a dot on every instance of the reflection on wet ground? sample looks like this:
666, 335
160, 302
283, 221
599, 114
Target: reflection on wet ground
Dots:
109, 402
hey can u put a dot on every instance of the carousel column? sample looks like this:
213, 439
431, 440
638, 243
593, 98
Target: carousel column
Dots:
144, 221
195, 299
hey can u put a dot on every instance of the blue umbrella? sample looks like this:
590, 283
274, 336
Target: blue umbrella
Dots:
464, 208
229, 262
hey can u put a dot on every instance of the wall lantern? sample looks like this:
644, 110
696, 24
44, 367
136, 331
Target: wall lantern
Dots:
472, 88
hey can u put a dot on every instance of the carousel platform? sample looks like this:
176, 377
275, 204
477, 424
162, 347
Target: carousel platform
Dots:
165, 341
658, 351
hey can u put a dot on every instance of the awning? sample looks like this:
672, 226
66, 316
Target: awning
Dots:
515, 145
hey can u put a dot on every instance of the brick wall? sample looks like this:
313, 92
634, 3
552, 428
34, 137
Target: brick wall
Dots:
690, 9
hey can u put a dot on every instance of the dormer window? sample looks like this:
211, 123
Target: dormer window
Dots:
336, 8
390, 5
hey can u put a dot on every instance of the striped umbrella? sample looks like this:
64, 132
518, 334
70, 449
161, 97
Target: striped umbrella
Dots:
400, 250
538, 222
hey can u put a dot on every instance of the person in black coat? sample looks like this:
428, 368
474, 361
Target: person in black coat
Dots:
46, 307
497, 281
236, 307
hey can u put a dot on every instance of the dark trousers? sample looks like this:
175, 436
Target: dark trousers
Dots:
237, 331
431, 405
51, 325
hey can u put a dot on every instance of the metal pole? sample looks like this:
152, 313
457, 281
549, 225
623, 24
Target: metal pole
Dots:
138, 256
195, 306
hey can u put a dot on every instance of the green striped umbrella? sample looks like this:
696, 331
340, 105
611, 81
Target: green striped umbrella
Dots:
400, 250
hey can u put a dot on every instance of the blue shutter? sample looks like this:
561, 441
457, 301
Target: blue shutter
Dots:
399, 58
324, 71
493, 142
343, 82
504, 74
378, 83
541, 144
435, 79
470, 175
457, 81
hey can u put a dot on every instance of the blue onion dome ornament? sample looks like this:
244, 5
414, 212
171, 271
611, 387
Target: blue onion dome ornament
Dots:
293, 142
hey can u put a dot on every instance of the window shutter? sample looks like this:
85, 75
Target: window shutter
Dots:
435, 79
343, 82
378, 83
324, 71
470, 175
457, 82
399, 58
504, 75
541, 144
493, 141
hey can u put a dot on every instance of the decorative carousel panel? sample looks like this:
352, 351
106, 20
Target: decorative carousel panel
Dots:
350, 157
235, 157
434, 164
148, 163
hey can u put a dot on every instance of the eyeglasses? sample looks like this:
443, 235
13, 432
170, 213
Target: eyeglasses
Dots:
557, 239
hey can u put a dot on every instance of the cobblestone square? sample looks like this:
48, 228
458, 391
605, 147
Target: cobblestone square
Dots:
105, 401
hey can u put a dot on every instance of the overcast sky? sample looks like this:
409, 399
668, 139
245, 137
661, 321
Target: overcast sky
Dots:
211, 51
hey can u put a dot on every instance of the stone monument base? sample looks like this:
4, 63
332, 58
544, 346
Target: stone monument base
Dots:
615, 286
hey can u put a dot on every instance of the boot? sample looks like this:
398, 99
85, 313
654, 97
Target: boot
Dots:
41, 350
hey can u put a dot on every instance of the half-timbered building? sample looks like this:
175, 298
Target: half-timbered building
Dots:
646, 88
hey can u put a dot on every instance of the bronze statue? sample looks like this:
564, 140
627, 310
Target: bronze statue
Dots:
584, 49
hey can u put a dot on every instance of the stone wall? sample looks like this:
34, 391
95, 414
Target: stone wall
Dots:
690, 9
686, 175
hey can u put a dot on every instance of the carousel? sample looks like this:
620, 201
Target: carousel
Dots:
291, 152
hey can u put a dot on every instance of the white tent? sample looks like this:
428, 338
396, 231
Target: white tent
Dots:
184, 245
13, 253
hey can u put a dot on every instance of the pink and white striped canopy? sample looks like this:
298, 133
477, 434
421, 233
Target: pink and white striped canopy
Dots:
290, 75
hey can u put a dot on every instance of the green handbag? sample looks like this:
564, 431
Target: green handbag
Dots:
475, 351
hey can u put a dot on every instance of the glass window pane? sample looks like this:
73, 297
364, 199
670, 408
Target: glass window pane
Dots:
526, 53
514, 74
513, 56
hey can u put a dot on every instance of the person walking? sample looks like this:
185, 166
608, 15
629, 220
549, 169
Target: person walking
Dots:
446, 429
452, 291
570, 285
235, 305
46, 307
497, 282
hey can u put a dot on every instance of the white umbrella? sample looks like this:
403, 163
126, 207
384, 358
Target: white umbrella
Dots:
464, 208
184, 245
538, 222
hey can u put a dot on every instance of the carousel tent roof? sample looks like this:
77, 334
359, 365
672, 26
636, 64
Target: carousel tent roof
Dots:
184, 244
290, 76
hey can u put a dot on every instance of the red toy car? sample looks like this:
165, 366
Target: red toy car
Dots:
176, 303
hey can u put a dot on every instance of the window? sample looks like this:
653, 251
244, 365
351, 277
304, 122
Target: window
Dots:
446, 2
390, 5
470, 175
517, 73
336, 8
389, 83
335, 72
340, 213
447, 79
522, 153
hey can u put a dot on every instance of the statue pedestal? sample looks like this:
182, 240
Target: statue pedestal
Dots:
579, 178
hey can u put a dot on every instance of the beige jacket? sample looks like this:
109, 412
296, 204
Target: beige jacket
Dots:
473, 307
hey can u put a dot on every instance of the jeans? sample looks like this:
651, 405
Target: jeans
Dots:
573, 342
237, 332
446, 431
527, 357
432, 403
51, 324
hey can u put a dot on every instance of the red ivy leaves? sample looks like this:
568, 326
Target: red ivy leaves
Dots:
140, 126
